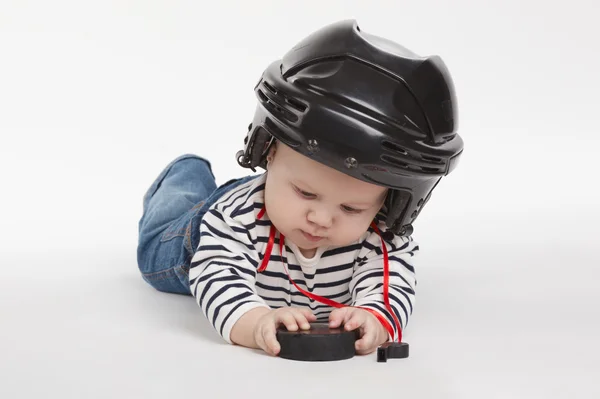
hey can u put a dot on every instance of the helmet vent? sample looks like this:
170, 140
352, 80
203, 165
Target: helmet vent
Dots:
262, 96
394, 161
296, 104
428, 169
276, 108
270, 88
388, 145
431, 159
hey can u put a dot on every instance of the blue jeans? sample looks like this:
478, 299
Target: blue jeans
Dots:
169, 229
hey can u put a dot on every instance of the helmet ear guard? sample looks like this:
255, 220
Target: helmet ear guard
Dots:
397, 203
402, 209
257, 137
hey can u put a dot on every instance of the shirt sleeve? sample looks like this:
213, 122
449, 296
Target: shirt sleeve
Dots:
223, 272
366, 286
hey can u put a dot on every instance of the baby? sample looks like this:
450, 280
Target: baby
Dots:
354, 132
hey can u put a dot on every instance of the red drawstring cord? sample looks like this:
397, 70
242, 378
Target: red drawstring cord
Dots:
265, 260
327, 301
386, 282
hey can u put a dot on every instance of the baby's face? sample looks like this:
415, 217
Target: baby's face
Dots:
314, 205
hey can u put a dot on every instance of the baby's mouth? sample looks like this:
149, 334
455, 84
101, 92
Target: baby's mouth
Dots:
311, 237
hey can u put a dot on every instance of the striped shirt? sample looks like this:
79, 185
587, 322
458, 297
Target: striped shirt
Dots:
225, 283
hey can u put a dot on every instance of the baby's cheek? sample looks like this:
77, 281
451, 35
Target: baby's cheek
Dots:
294, 211
349, 232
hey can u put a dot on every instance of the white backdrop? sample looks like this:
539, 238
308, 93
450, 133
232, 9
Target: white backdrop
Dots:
96, 98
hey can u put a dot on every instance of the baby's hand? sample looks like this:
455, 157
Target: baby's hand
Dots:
372, 333
265, 328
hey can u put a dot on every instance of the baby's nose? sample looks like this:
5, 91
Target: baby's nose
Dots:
321, 218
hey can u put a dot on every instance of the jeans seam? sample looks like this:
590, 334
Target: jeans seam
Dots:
164, 272
172, 234
188, 231
182, 232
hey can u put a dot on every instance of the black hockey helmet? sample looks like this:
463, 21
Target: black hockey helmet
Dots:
365, 106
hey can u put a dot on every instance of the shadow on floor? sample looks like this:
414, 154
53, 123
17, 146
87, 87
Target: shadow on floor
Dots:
166, 309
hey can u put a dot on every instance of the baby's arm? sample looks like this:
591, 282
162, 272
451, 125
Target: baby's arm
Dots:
242, 332
222, 277
366, 286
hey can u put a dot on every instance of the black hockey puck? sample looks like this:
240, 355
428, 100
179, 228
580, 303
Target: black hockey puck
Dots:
318, 344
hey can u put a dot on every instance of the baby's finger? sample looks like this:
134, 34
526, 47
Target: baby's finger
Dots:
337, 316
304, 317
271, 345
288, 319
301, 320
366, 344
355, 320
308, 314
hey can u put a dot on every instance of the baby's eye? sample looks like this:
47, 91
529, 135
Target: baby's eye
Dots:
304, 193
350, 209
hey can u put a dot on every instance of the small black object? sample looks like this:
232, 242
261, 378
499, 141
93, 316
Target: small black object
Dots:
319, 343
392, 350
387, 235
